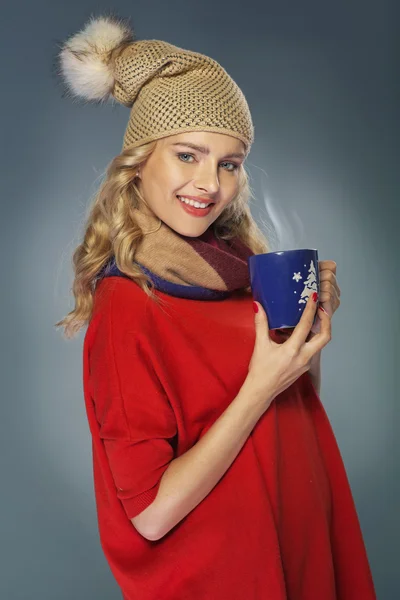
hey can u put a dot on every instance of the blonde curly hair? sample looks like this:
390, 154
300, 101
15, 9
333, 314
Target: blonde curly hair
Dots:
111, 230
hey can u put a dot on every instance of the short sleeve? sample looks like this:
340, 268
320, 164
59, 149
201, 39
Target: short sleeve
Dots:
137, 424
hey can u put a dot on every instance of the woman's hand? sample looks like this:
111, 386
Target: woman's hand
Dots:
329, 298
275, 366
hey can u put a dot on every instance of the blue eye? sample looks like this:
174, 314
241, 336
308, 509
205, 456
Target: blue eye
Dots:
184, 154
234, 165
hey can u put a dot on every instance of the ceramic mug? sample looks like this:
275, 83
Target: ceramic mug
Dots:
282, 283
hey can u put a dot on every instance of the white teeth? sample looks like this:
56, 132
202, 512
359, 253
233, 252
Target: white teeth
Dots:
193, 202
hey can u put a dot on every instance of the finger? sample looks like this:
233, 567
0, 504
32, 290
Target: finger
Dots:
327, 279
327, 264
303, 327
261, 325
319, 340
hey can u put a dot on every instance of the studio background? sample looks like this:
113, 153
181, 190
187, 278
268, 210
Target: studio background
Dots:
322, 83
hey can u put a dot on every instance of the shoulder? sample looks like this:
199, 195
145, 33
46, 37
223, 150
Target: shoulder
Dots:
117, 288
120, 299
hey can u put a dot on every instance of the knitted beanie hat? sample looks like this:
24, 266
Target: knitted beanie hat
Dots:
170, 90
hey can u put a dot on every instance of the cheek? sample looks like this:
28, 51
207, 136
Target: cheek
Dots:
173, 177
223, 205
229, 188
163, 183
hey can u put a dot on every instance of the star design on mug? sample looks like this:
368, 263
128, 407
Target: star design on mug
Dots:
297, 277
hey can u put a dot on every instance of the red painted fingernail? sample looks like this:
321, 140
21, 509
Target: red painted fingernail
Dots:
321, 308
255, 307
315, 296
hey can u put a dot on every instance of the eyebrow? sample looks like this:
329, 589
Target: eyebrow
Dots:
205, 150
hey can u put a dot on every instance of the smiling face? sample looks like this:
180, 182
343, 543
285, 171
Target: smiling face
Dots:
176, 168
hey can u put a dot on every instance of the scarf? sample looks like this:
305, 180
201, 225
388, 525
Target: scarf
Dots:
200, 268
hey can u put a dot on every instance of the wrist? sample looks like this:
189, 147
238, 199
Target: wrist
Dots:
252, 391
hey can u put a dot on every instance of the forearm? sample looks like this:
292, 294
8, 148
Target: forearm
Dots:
191, 477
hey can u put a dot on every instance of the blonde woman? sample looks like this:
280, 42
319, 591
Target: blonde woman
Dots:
216, 472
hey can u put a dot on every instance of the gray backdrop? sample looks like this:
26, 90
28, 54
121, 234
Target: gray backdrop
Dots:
321, 79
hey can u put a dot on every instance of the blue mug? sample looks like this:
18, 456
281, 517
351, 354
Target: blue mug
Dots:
282, 283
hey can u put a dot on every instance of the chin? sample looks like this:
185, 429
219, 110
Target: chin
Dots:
195, 230
191, 233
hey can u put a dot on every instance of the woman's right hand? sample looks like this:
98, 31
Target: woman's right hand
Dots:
274, 367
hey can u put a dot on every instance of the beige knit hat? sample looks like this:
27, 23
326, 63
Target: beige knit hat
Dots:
170, 90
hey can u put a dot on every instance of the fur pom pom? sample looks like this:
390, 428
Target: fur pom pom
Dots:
84, 59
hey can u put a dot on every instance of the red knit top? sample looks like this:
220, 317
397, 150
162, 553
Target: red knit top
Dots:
280, 524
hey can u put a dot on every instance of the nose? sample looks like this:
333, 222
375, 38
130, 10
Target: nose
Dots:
206, 179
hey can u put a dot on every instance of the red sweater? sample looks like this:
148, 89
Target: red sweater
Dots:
281, 523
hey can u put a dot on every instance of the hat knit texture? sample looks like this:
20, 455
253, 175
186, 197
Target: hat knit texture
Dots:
170, 90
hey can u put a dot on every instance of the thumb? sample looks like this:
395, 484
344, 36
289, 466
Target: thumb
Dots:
260, 319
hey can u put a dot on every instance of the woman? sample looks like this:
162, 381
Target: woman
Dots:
216, 471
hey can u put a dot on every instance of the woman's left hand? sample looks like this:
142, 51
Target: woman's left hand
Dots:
329, 297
